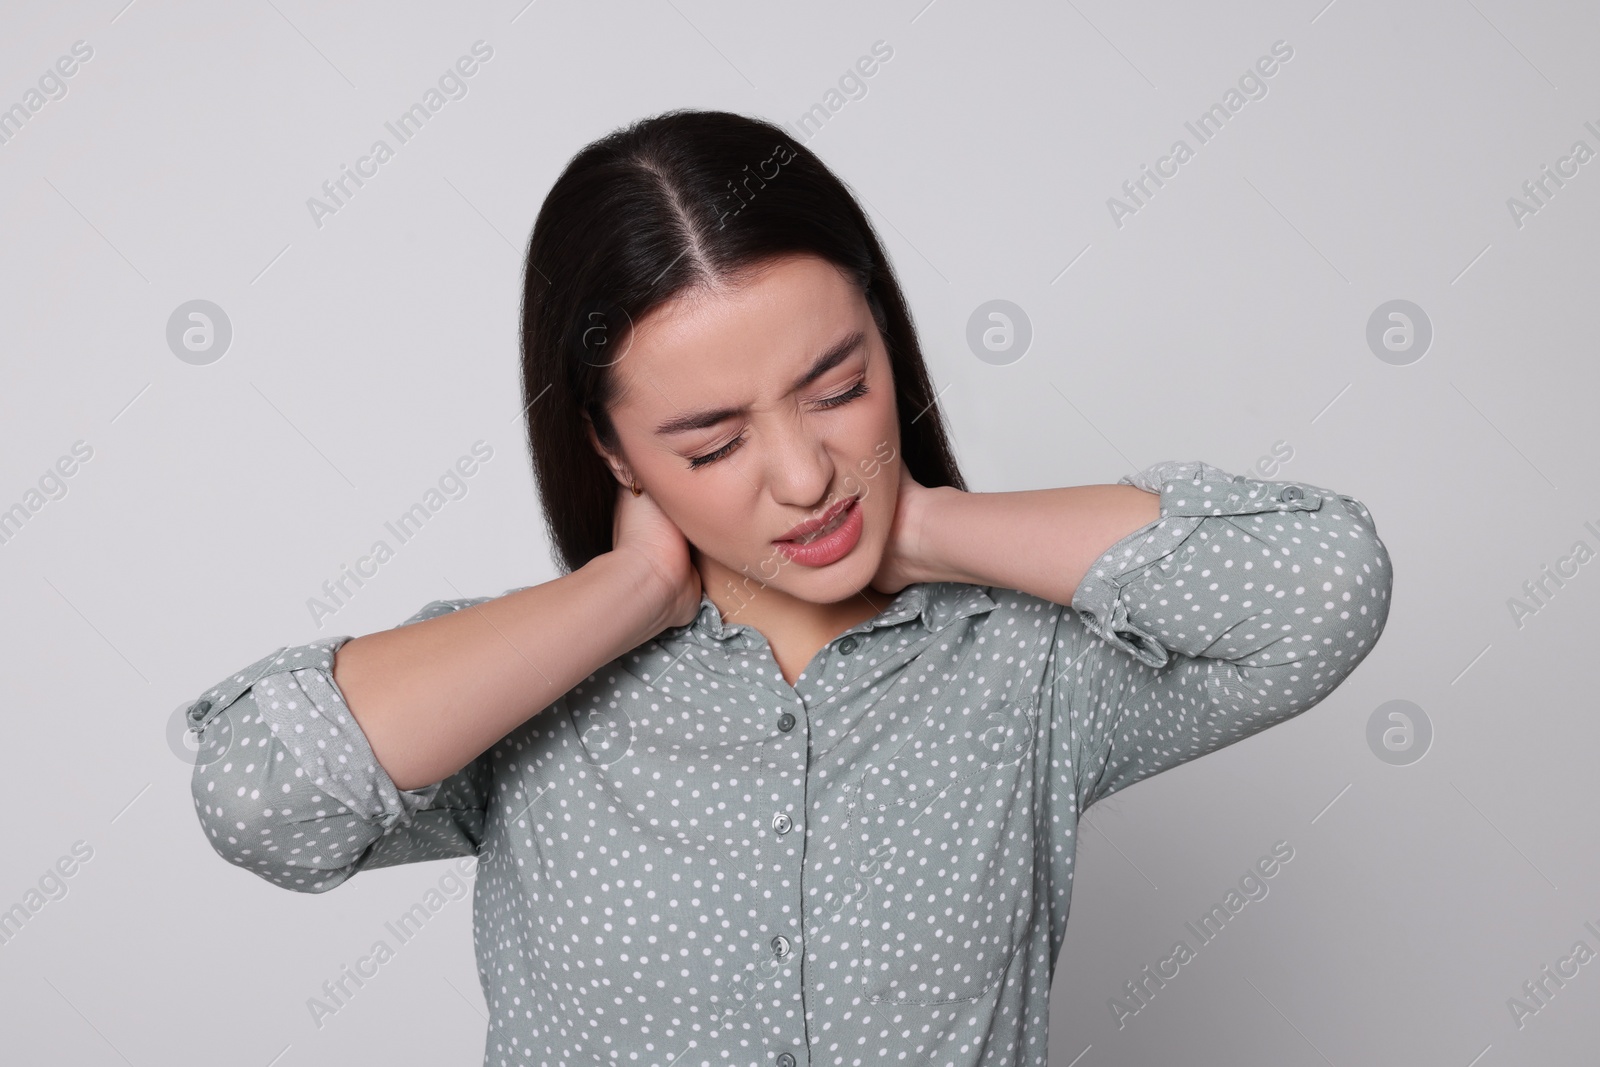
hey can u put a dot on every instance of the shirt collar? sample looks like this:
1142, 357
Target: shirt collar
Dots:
934, 604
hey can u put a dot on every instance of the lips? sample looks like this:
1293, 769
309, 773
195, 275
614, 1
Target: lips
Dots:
811, 526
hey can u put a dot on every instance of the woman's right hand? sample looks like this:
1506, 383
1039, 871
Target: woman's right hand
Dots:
639, 527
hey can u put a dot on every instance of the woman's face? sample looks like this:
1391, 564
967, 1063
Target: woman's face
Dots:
750, 409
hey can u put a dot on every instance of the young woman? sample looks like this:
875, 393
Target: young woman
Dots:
786, 767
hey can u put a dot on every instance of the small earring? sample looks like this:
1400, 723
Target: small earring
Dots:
634, 488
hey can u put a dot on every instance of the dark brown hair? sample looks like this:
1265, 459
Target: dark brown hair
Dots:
659, 207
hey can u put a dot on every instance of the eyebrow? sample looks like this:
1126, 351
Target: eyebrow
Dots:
700, 420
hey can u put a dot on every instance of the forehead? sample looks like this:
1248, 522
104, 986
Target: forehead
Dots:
740, 342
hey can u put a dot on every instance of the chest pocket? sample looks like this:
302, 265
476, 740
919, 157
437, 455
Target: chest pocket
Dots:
942, 852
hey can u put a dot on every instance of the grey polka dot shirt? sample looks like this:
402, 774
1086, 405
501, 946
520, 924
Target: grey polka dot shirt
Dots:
685, 860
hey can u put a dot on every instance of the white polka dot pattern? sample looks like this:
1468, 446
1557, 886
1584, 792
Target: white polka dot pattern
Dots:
685, 860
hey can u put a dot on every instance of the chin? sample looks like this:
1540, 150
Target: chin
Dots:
840, 581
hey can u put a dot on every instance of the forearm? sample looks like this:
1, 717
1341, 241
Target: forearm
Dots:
1039, 541
433, 695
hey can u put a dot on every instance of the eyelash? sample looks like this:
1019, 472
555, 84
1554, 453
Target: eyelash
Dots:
855, 392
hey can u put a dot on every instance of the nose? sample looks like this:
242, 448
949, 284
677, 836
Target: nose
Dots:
799, 465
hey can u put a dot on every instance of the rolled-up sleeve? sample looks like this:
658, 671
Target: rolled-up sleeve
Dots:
1245, 603
286, 786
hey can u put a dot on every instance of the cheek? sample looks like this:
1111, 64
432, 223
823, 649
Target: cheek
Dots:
713, 510
872, 430
710, 516
878, 483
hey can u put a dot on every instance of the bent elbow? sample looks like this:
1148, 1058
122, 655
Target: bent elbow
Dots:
256, 812
1359, 590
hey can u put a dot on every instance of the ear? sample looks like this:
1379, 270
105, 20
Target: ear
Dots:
618, 470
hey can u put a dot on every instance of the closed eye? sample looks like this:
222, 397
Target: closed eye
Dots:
855, 392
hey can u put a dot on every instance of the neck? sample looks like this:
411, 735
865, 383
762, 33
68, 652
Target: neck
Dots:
743, 599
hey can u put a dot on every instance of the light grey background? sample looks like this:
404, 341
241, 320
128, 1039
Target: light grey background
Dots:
1227, 316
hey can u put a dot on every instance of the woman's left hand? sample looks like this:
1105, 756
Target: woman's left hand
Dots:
902, 564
